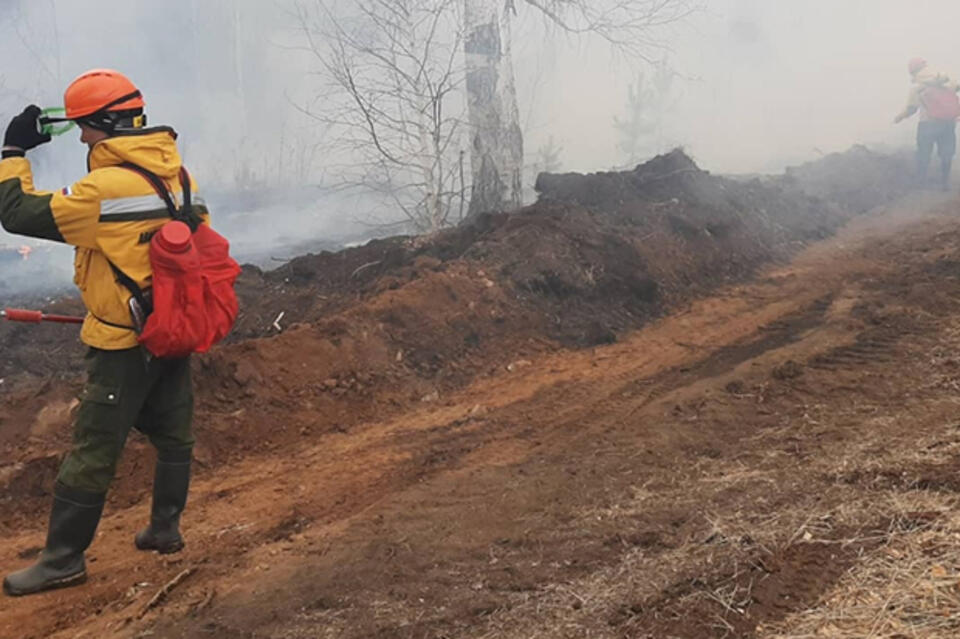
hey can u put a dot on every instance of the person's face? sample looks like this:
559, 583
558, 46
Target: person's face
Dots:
90, 136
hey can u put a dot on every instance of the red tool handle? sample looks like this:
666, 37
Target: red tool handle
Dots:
35, 317
21, 315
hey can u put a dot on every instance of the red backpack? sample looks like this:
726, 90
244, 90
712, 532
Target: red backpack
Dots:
191, 304
941, 103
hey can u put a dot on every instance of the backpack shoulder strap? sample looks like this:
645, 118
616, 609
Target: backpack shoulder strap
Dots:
187, 186
185, 212
157, 185
188, 215
143, 299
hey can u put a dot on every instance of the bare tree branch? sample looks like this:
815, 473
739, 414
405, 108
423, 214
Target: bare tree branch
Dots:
631, 27
389, 95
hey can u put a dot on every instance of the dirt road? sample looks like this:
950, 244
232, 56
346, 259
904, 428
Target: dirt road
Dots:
737, 469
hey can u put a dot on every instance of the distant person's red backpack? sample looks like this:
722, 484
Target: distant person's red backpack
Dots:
191, 304
941, 103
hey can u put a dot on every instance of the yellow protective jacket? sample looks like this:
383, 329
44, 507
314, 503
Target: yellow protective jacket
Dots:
109, 216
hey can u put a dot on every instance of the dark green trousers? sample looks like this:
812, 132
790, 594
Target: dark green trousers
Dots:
124, 391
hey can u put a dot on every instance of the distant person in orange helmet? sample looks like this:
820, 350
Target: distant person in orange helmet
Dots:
109, 216
934, 95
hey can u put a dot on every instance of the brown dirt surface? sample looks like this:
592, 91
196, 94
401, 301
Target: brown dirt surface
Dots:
702, 437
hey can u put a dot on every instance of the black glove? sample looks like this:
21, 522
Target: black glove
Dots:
23, 133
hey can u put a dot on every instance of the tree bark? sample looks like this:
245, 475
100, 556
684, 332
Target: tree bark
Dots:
496, 149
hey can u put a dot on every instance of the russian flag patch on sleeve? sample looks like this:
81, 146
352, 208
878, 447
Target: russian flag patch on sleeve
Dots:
66, 191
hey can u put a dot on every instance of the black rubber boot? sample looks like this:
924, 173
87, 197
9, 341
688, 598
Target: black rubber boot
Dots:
170, 485
73, 522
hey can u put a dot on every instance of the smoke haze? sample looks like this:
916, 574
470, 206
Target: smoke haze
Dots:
761, 84
756, 85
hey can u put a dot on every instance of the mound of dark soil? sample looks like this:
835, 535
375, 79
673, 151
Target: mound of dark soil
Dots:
596, 255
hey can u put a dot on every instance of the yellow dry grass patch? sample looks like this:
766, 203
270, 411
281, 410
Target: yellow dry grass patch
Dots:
909, 588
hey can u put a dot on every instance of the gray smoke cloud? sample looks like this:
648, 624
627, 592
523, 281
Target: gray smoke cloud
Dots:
755, 85
760, 84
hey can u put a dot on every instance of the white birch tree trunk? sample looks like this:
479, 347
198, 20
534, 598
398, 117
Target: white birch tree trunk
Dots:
496, 149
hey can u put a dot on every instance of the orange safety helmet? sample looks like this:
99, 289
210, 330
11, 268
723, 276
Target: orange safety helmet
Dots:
105, 99
916, 65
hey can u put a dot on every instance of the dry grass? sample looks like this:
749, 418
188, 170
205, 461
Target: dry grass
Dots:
908, 588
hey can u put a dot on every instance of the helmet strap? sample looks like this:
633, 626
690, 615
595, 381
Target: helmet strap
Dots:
111, 122
120, 100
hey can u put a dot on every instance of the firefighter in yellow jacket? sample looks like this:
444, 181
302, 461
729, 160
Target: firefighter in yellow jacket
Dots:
109, 216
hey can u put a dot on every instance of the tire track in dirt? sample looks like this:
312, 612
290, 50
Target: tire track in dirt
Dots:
772, 584
767, 587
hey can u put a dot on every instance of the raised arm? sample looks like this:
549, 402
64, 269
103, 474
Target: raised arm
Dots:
69, 215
